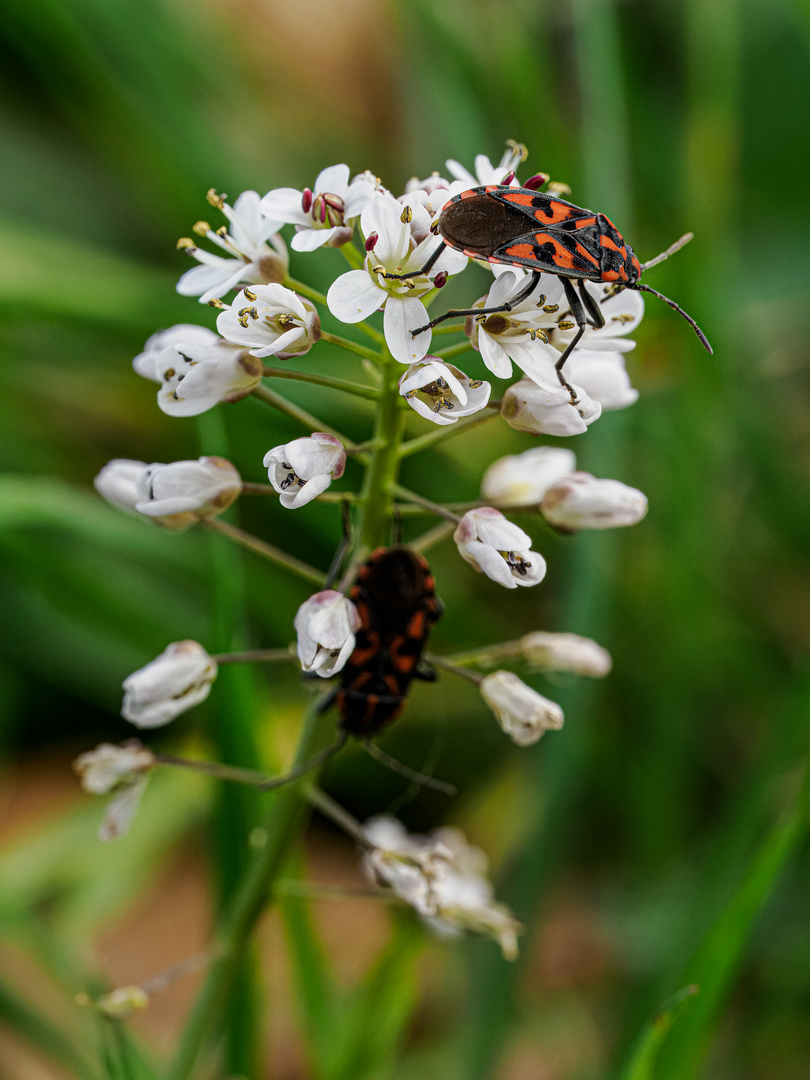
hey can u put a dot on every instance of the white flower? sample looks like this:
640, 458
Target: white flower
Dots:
518, 335
523, 479
426, 199
122, 770
326, 624
197, 380
580, 501
498, 548
623, 311
443, 878
116, 482
108, 767
321, 215
434, 389
486, 172
300, 470
122, 1002
565, 652
603, 377
531, 408
182, 492
271, 320
355, 295
186, 337
173, 682
249, 260
523, 714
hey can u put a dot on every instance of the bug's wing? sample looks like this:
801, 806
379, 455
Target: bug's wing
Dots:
546, 210
554, 252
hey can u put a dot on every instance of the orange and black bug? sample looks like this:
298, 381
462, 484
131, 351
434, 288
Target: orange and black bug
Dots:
395, 595
545, 234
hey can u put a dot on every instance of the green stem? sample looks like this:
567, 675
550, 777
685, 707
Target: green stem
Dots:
351, 346
432, 537
423, 442
443, 664
376, 497
267, 551
335, 812
255, 656
304, 290
270, 397
453, 351
431, 507
352, 256
284, 820
214, 768
322, 380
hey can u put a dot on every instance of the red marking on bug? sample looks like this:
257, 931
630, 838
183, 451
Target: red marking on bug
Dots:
520, 251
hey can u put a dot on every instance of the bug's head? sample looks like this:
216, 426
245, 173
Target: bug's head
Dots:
632, 267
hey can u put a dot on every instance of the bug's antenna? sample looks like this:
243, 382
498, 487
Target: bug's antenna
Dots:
684, 240
343, 546
701, 336
306, 766
410, 774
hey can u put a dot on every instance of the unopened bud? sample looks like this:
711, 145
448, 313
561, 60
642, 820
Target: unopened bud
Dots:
306, 200
440, 280
123, 1002
536, 181
371, 241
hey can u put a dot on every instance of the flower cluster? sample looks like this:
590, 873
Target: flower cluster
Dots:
397, 261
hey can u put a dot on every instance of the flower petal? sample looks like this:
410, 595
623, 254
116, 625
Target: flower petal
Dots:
354, 296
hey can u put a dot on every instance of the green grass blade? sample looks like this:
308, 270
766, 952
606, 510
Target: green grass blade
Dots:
645, 1053
25, 1021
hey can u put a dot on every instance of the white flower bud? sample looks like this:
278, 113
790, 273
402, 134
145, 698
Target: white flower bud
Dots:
443, 878
441, 392
271, 320
498, 548
603, 376
304, 468
108, 767
565, 652
530, 408
173, 682
523, 714
186, 337
580, 501
523, 479
326, 624
122, 1002
182, 492
116, 482
122, 770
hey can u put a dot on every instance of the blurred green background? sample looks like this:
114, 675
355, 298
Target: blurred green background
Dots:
665, 822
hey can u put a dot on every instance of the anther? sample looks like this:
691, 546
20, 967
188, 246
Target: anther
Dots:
201, 228
559, 189
541, 299
371, 241
406, 217
222, 230
551, 308
536, 181
440, 280
185, 243
249, 295
566, 324
306, 200
475, 383
216, 303
378, 269
434, 227
215, 200
621, 318
510, 176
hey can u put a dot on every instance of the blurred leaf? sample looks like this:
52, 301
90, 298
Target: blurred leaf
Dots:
28, 1022
645, 1054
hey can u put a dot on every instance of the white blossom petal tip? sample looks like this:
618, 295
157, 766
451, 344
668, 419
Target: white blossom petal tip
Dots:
565, 652
304, 468
326, 625
173, 682
523, 714
580, 501
116, 482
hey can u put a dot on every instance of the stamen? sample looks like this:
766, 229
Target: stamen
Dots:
510, 176
566, 324
559, 189
249, 295
185, 243
216, 303
541, 299
440, 280
222, 230
215, 200
475, 383
201, 228
306, 200
406, 217
536, 181
434, 226
443, 403
621, 318
371, 241
551, 308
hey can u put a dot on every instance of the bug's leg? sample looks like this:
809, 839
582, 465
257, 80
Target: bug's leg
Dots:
328, 701
597, 316
457, 313
581, 319
306, 766
410, 774
343, 546
425, 673
423, 270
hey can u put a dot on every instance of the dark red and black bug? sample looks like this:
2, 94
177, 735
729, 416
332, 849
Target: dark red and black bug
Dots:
546, 235
395, 595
